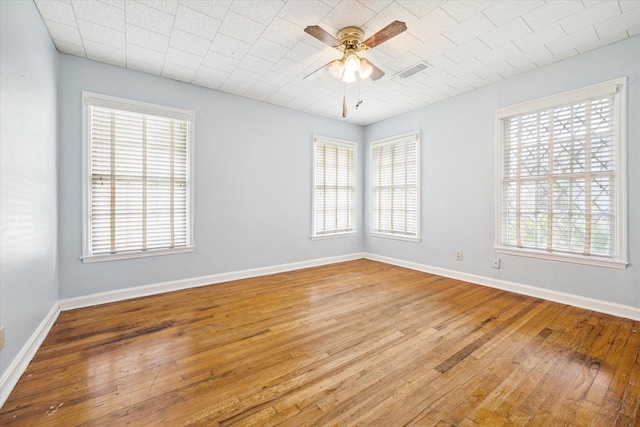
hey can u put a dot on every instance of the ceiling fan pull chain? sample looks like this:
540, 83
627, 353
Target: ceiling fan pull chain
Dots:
344, 100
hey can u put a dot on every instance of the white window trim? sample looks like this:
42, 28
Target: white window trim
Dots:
89, 98
618, 86
406, 137
342, 143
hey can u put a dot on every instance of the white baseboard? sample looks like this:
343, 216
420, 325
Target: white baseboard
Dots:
22, 360
550, 295
176, 285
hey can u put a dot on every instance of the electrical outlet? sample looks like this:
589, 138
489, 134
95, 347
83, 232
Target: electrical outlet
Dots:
1, 337
496, 263
458, 255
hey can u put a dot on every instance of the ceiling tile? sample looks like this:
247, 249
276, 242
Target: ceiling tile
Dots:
220, 62
216, 9
571, 41
189, 43
602, 41
143, 67
147, 39
462, 10
259, 48
185, 59
589, 16
505, 33
57, 11
283, 32
473, 27
503, 11
539, 37
178, 72
551, 12
618, 23
467, 51
499, 54
101, 34
63, 32
434, 47
241, 28
149, 18
432, 25
393, 12
421, 8
147, 56
229, 46
196, 23
304, 12
70, 48
166, 6
268, 50
348, 13
262, 11
99, 13
255, 64
104, 53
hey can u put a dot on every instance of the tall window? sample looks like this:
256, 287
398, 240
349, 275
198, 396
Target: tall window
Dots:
395, 201
334, 201
561, 186
137, 185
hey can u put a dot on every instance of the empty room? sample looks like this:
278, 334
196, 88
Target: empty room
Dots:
320, 212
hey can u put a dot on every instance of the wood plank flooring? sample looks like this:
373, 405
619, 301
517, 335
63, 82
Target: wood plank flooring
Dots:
356, 343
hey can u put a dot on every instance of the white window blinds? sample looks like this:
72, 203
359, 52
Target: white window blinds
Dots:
561, 177
334, 187
139, 192
395, 202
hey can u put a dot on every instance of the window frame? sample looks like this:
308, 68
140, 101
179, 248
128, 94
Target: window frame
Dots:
317, 139
94, 99
617, 88
413, 136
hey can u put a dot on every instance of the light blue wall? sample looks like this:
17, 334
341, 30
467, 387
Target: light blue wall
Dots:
28, 174
458, 181
252, 182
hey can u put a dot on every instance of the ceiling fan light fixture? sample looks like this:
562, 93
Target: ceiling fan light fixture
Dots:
351, 62
336, 68
365, 68
349, 76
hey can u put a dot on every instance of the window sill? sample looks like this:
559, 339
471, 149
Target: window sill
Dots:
570, 258
334, 235
138, 254
396, 237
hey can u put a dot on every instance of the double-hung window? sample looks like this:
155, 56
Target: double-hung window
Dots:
395, 194
137, 179
334, 200
561, 183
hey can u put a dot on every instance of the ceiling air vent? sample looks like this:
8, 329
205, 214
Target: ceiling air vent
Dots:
411, 71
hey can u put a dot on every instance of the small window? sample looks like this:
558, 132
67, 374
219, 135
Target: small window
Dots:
395, 178
334, 200
137, 179
561, 177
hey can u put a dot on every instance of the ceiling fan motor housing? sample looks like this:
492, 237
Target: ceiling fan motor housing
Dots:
351, 39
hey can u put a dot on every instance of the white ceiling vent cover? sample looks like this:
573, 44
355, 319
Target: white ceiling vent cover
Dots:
411, 71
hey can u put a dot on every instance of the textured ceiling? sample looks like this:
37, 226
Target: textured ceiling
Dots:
258, 49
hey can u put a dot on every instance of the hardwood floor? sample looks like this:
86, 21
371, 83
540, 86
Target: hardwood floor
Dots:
355, 343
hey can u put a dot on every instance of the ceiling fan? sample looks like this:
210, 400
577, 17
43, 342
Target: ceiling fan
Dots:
349, 42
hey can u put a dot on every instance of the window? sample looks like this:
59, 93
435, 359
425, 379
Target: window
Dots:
561, 177
334, 187
137, 183
395, 204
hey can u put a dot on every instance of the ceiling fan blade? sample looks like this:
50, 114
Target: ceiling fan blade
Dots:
376, 73
391, 30
315, 73
322, 35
